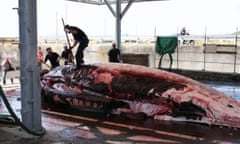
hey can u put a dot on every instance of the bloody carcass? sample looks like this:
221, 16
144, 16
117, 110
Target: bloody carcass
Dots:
132, 89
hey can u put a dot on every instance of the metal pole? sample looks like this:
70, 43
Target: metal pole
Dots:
235, 56
57, 27
118, 16
29, 70
178, 46
118, 23
205, 43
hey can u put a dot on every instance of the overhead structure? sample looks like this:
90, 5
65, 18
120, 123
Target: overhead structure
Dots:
118, 13
102, 2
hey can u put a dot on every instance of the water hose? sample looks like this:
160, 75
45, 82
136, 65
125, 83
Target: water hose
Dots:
17, 120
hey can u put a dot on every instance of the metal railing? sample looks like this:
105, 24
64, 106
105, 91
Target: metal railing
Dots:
206, 53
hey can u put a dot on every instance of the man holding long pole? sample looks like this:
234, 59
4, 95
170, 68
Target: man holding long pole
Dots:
67, 53
81, 39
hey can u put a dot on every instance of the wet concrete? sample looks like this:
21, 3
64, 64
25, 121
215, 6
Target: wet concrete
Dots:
121, 129
230, 88
69, 126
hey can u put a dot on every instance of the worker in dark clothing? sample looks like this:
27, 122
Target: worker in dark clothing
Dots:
79, 38
114, 54
53, 57
67, 55
183, 31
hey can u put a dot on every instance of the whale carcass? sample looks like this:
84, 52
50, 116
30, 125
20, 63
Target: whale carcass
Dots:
133, 89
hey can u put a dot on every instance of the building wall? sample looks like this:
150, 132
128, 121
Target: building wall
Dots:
197, 58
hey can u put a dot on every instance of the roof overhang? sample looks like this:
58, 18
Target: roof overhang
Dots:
102, 2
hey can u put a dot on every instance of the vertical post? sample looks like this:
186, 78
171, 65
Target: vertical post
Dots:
155, 32
118, 14
57, 27
66, 12
29, 70
235, 56
118, 23
154, 50
205, 43
178, 46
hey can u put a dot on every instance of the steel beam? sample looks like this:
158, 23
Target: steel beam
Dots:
29, 71
118, 14
118, 24
100, 2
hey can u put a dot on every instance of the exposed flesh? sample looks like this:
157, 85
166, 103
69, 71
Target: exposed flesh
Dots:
138, 89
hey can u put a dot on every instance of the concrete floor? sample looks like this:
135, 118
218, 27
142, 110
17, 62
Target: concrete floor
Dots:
75, 127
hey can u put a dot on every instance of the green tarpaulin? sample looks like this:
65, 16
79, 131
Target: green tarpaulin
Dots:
166, 44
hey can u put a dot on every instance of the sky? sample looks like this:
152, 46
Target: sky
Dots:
142, 19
